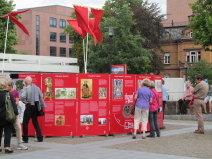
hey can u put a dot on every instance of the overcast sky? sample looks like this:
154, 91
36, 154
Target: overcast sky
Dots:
20, 4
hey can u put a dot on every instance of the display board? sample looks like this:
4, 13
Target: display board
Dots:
60, 95
93, 104
122, 89
88, 104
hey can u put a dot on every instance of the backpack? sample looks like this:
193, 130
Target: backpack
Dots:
10, 115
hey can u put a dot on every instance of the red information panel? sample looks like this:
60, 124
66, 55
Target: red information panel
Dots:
93, 104
158, 86
60, 95
36, 79
122, 90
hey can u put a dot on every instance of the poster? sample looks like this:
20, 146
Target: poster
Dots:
59, 120
65, 93
102, 121
86, 119
102, 93
48, 92
86, 88
158, 85
117, 88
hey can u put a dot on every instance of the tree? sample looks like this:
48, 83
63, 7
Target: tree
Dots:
201, 22
201, 67
126, 46
6, 7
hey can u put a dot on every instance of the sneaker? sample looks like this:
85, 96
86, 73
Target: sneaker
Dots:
22, 147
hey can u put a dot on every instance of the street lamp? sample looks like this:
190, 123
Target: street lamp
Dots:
110, 34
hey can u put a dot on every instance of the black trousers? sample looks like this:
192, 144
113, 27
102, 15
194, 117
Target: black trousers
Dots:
183, 106
30, 113
164, 107
7, 128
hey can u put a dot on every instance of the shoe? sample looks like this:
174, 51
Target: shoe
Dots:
21, 147
133, 137
25, 141
8, 150
0, 150
143, 137
158, 135
150, 136
199, 132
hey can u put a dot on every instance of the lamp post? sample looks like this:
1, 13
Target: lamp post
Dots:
110, 34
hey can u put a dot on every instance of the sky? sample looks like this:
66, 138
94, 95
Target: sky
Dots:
20, 4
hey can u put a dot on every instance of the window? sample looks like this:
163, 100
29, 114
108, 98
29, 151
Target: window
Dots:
63, 52
53, 22
63, 38
53, 36
53, 51
193, 56
166, 58
191, 34
37, 35
62, 23
71, 52
71, 41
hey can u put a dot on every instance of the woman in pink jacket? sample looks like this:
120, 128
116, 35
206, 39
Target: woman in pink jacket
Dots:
153, 112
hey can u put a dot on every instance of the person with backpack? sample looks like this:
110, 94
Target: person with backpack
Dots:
5, 122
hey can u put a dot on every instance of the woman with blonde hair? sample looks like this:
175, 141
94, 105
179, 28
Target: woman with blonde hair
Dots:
143, 97
5, 125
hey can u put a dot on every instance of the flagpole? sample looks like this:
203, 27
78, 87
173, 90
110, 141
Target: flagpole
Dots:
5, 45
83, 47
86, 54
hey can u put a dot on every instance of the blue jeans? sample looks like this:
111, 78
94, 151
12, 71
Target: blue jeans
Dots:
153, 117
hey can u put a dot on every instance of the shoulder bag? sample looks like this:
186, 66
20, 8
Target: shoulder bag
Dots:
10, 115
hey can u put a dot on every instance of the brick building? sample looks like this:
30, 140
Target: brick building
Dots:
45, 25
177, 49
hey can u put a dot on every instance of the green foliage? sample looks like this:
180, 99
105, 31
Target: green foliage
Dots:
6, 7
201, 67
137, 33
201, 22
126, 47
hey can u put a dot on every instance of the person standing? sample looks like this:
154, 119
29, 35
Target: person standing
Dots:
143, 97
208, 100
200, 92
164, 96
187, 97
32, 97
4, 124
17, 124
153, 112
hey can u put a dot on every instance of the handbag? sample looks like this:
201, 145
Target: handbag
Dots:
132, 111
191, 101
10, 115
39, 112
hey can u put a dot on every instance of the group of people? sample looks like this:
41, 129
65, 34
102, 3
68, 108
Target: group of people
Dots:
147, 104
25, 105
146, 108
188, 97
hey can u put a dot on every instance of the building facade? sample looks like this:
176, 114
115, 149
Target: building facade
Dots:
46, 26
178, 50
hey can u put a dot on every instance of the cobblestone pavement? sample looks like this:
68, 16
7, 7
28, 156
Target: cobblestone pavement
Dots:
177, 141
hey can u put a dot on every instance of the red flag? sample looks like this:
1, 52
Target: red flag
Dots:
96, 27
11, 16
75, 26
83, 20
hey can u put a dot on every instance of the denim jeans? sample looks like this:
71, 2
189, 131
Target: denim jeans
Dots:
153, 117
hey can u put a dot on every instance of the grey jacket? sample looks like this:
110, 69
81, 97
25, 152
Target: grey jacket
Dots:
36, 96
